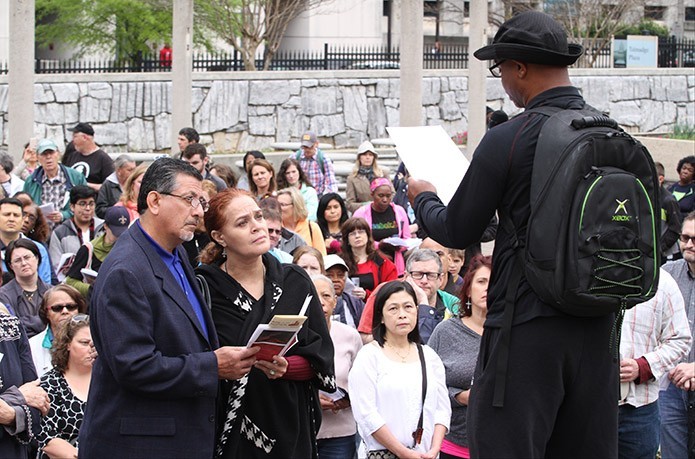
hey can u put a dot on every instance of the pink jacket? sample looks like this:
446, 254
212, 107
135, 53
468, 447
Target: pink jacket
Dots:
403, 223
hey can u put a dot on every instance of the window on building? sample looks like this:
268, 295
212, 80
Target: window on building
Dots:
690, 13
430, 8
654, 12
466, 9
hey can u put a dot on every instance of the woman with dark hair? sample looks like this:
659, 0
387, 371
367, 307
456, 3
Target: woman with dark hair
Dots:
291, 174
67, 385
249, 157
274, 410
362, 259
457, 341
393, 417
59, 304
24, 293
684, 189
386, 220
35, 226
261, 176
331, 214
225, 173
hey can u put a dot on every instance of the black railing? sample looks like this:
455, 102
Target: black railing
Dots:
672, 53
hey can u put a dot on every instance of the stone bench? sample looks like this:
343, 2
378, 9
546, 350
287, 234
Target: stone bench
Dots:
294, 146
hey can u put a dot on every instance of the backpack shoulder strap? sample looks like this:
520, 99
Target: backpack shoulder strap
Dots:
205, 290
319, 159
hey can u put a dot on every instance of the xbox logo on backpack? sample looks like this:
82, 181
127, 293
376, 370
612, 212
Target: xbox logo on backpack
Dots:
621, 206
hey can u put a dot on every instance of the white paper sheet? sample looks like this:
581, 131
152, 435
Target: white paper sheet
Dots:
429, 154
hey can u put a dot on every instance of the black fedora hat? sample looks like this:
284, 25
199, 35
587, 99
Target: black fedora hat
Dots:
531, 37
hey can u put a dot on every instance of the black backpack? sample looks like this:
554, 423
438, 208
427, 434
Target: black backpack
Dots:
592, 242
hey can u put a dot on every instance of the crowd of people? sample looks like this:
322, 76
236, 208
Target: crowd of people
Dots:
130, 293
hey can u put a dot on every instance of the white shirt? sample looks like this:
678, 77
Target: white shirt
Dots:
383, 391
657, 330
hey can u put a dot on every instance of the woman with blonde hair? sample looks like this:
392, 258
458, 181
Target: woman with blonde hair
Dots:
261, 177
358, 192
131, 189
295, 218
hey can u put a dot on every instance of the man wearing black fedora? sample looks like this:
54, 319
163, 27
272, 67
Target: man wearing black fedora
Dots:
558, 394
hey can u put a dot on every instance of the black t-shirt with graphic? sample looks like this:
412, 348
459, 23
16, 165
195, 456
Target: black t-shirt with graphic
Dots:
95, 166
384, 224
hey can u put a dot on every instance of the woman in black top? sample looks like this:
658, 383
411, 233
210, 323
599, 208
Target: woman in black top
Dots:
274, 411
331, 214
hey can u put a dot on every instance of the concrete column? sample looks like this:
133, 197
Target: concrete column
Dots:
20, 106
477, 74
411, 62
181, 69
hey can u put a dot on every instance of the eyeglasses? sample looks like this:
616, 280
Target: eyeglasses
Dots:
79, 318
31, 217
24, 259
274, 231
685, 238
86, 204
286, 204
419, 275
192, 200
495, 70
61, 306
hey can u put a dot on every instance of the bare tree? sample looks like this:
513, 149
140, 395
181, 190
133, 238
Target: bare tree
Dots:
248, 24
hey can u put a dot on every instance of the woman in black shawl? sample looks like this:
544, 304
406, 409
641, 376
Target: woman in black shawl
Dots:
274, 411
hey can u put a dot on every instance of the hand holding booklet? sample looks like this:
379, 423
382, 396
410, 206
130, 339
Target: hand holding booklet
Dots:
279, 335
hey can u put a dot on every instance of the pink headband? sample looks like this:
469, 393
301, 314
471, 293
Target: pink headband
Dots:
379, 181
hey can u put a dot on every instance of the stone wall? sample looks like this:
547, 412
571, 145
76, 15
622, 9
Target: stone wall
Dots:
251, 110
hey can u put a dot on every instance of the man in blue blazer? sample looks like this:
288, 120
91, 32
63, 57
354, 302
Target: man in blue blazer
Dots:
155, 381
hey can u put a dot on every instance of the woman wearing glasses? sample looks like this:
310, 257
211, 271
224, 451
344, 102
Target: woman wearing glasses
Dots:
59, 304
362, 259
386, 219
295, 218
273, 411
67, 385
24, 293
396, 419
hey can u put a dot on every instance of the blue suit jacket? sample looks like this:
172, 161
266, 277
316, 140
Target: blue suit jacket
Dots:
155, 381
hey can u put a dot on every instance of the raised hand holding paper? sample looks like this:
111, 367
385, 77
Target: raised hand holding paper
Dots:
429, 154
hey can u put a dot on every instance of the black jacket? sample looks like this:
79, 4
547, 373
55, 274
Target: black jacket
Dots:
498, 179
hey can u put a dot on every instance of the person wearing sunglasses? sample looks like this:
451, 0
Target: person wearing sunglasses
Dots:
23, 294
59, 304
67, 385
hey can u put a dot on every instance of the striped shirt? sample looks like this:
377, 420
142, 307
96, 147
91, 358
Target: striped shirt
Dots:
658, 331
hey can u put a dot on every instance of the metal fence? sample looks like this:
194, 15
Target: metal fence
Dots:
672, 53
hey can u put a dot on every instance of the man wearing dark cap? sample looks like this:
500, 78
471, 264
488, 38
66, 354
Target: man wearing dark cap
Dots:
559, 384
88, 158
317, 167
